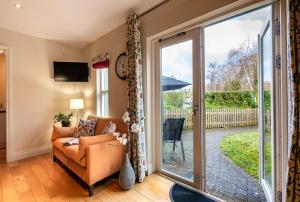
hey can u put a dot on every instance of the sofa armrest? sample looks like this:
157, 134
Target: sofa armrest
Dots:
104, 159
59, 132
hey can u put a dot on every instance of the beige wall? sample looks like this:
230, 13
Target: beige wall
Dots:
34, 97
114, 43
2, 82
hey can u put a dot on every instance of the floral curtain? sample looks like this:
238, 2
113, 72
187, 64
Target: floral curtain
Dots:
135, 97
293, 183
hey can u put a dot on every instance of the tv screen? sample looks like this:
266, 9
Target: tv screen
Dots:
71, 71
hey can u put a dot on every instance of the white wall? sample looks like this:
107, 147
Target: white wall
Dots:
34, 96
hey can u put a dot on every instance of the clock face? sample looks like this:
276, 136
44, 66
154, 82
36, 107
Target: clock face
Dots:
121, 66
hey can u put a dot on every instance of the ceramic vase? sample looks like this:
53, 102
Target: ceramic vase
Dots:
127, 175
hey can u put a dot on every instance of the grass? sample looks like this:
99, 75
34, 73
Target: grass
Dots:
243, 150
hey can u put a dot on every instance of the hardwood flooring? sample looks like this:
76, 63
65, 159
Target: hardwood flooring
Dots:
39, 179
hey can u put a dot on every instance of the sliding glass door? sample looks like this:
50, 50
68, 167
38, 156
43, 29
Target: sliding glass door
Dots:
178, 106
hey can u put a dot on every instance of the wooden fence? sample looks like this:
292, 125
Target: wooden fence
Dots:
217, 118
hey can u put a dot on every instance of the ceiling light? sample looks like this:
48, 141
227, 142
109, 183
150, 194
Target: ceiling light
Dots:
18, 5
2, 51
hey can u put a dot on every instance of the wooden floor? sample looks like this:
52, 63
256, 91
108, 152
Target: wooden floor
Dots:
39, 179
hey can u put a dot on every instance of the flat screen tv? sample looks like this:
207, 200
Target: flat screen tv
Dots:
71, 71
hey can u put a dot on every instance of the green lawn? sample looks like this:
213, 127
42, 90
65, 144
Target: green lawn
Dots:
243, 150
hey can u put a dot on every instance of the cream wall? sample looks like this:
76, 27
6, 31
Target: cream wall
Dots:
34, 97
114, 43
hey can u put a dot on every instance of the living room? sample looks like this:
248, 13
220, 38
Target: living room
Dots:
102, 64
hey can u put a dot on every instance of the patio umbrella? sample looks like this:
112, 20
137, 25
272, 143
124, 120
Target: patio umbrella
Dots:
169, 83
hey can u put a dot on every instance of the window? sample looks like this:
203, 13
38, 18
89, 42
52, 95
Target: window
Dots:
102, 92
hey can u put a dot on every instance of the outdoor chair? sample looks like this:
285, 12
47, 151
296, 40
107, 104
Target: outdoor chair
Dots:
172, 131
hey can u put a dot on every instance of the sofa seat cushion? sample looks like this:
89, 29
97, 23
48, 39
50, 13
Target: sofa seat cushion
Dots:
59, 143
71, 152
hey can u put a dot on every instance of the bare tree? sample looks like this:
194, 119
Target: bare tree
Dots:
213, 75
244, 58
240, 70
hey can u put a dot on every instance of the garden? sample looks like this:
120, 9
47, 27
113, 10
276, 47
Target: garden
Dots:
243, 150
225, 109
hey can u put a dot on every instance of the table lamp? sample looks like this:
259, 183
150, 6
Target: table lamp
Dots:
76, 104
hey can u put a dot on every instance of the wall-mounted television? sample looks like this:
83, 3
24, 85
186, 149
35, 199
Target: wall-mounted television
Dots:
71, 71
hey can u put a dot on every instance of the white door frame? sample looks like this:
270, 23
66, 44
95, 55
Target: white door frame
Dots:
273, 194
8, 65
268, 191
193, 35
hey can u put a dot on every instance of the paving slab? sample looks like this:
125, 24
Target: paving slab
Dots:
224, 179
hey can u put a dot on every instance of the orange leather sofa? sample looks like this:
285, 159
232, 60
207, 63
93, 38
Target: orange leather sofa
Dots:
96, 157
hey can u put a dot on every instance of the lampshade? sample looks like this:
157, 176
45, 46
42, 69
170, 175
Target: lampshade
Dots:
76, 104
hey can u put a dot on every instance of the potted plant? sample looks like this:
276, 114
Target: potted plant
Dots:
64, 119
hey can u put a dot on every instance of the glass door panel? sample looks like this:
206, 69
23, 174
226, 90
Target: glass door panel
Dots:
177, 109
266, 111
178, 91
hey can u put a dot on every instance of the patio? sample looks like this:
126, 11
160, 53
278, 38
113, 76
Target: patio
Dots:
224, 179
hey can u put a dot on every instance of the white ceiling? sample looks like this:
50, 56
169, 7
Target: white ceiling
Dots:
74, 22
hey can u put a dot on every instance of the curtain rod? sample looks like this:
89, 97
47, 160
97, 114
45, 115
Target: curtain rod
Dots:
153, 8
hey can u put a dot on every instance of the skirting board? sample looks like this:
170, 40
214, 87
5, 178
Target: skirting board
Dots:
150, 169
31, 152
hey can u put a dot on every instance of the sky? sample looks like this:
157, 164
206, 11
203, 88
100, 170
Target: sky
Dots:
219, 40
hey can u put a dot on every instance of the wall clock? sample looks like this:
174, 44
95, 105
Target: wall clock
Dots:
121, 66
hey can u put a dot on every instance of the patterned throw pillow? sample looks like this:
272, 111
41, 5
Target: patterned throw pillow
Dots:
85, 128
109, 128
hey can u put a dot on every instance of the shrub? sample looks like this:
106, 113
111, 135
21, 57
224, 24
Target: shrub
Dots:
230, 99
223, 99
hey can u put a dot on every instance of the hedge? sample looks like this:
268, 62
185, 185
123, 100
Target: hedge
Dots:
224, 99
230, 99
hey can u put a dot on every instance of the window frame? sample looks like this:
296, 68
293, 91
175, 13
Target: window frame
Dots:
101, 92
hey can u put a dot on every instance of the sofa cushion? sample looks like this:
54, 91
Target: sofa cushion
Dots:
109, 128
85, 128
71, 152
59, 143
59, 132
102, 122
